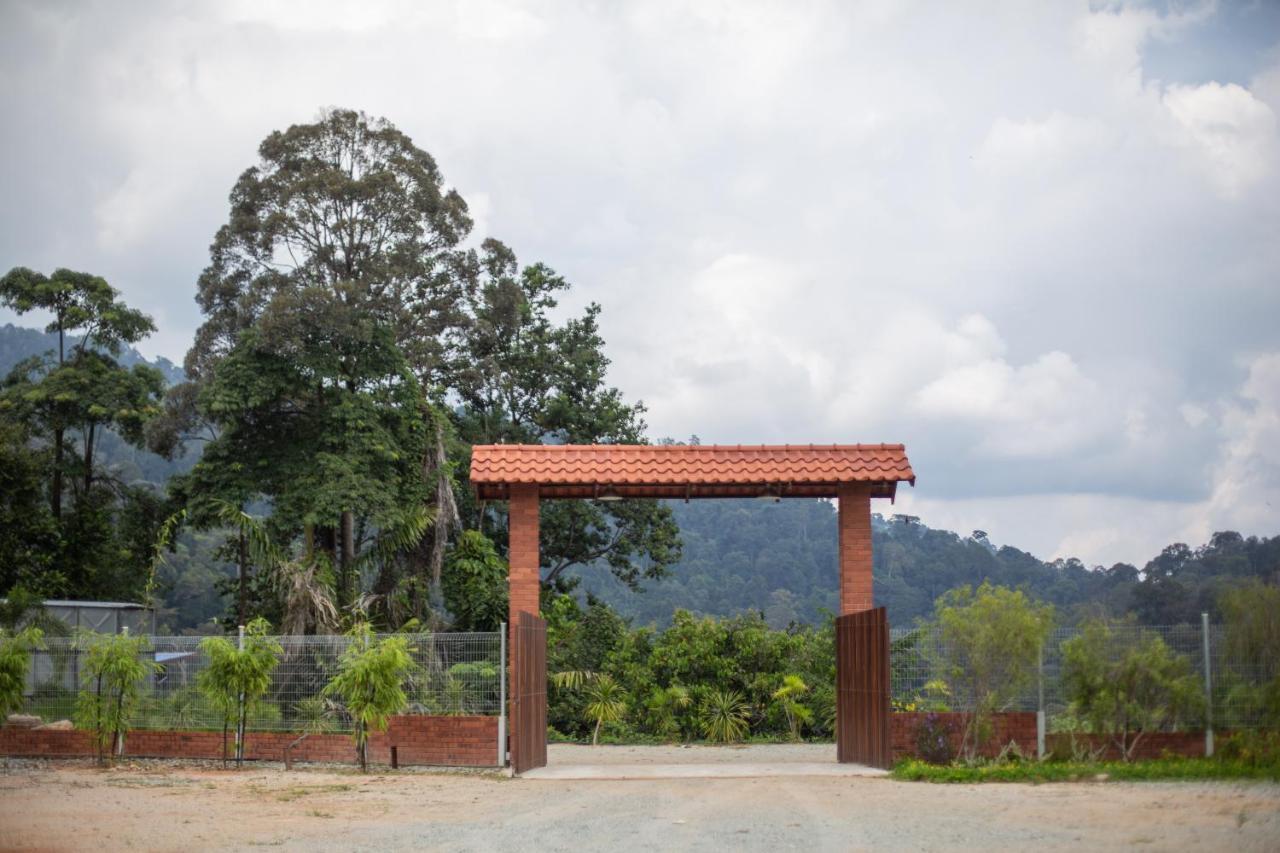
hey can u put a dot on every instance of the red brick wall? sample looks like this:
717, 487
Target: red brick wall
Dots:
456, 741
1016, 726
1154, 745
855, 547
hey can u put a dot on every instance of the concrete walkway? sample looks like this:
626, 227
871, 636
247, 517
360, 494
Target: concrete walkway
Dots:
733, 770
701, 761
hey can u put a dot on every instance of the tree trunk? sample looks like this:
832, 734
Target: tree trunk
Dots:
347, 583
88, 458
55, 493
242, 557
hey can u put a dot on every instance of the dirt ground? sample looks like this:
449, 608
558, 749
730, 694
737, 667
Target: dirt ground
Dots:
164, 806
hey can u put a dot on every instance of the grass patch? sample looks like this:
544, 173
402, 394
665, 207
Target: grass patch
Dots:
1164, 769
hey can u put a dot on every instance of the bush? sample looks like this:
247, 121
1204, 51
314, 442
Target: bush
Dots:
990, 642
15, 662
724, 716
1125, 689
370, 682
1252, 749
236, 678
934, 739
112, 675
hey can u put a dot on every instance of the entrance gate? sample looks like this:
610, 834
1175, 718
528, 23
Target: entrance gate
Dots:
524, 475
862, 688
529, 693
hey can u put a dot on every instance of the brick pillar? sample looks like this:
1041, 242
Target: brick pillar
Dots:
522, 578
523, 560
855, 547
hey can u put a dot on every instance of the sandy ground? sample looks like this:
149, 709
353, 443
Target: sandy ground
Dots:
159, 806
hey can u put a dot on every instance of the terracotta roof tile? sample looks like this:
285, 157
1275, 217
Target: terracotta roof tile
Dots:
702, 471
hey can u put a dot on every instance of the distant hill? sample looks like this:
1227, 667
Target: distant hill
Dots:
17, 343
780, 559
776, 558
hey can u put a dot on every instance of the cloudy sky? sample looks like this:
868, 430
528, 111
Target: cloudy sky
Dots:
1037, 242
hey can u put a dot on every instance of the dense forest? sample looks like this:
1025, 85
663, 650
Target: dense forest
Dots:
308, 461
747, 556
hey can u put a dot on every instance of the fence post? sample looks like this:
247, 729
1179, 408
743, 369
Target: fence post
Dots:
502, 695
1208, 688
239, 706
1040, 703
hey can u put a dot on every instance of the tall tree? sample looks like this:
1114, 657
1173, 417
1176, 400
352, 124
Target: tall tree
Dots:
343, 229
86, 388
55, 408
527, 379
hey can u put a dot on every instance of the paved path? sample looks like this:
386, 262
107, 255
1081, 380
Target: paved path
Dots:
726, 770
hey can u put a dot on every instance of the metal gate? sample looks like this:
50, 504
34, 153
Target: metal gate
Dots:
862, 688
529, 693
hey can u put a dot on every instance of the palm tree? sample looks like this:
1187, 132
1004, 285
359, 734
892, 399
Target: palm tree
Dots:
606, 703
788, 696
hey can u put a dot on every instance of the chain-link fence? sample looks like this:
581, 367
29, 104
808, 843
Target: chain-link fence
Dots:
454, 674
1242, 691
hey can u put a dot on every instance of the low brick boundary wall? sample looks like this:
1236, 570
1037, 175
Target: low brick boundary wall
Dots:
1154, 745
426, 740
1011, 726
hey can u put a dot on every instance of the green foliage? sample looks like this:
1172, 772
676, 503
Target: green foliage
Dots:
1124, 689
788, 697
1165, 769
1252, 747
15, 663
64, 528
111, 672
724, 716
990, 640
606, 702
663, 709
235, 678
475, 584
1251, 612
370, 682
314, 715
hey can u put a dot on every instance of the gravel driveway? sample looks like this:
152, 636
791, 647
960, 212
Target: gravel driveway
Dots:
155, 806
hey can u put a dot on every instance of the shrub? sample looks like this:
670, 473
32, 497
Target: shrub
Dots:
370, 682
15, 663
788, 698
236, 678
1126, 689
111, 675
990, 642
1251, 749
934, 739
724, 716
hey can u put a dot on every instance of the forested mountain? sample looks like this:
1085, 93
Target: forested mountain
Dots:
780, 559
747, 555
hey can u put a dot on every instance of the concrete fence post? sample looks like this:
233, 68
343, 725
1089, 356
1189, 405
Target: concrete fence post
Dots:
1040, 702
1208, 688
502, 696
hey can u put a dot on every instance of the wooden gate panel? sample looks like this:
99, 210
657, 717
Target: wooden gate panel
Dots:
862, 688
529, 693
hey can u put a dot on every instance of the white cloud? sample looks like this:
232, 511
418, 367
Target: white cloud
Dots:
992, 235
1234, 132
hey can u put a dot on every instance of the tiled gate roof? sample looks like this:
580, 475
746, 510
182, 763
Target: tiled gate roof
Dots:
683, 471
